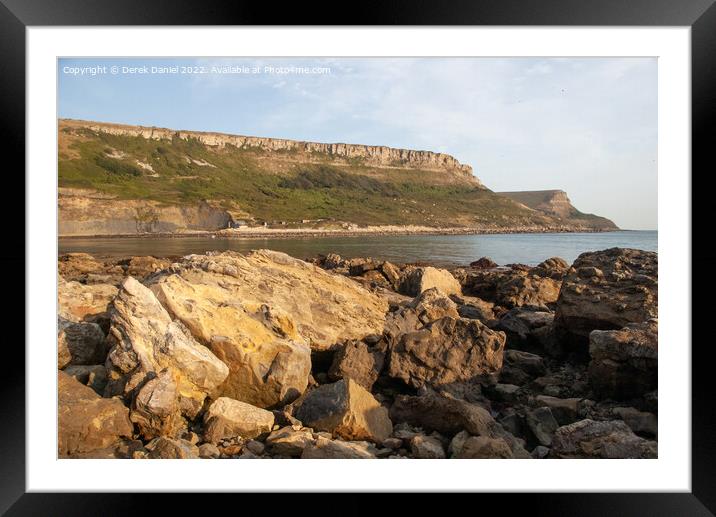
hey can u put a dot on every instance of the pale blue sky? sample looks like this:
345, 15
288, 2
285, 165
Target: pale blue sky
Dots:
587, 125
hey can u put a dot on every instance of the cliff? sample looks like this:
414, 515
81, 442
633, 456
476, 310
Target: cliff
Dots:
87, 212
376, 156
118, 179
556, 203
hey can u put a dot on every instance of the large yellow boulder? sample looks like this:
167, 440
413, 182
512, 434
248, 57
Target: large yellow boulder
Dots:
262, 314
147, 341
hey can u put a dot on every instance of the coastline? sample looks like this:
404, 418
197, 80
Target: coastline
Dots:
281, 233
516, 363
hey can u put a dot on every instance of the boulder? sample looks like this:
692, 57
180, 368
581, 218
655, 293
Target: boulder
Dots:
554, 268
483, 447
432, 304
76, 266
519, 325
142, 267
624, 363
449, 416
446, 351
172, 448
606, 439
511, 375
565, 411
156, 410
255, 447
332, 261
359, 362
93, 375
506, 393
360, 266
509, 287
289, 441
426, 447
147, 341
209, 451
228, 418
79, 343
87, 422
293, 298
347, 410
513, 422
480, 283
86, 269
326, 449
542, 425
78, 302
457, 443
540, 452
400, 322
260, 313
483, 263
373, 280
527, 289
531, 364
391, 274
393, 443
640, 422
606, 290
474, 308
415, 280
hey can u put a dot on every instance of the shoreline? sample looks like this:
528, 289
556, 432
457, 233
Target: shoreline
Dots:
478, 362
288, 233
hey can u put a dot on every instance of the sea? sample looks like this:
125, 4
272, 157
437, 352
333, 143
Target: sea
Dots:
447, 250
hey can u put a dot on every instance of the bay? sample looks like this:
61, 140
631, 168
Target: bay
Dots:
527, 248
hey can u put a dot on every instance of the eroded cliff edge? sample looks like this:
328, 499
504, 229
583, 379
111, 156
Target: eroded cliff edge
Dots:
376, 156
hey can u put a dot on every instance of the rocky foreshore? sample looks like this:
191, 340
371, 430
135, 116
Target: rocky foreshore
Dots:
264, 355
311, 233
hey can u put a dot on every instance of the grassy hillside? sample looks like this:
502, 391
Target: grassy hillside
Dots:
280, 185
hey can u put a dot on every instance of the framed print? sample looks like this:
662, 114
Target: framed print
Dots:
436, 236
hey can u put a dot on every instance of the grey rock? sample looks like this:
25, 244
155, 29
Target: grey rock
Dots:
289, 442
624, 363
171, 448
209, 450
483, 447
426, 447
446, 351
336, 449
600, 439
639, 421
542, 424
358, 361
94, 375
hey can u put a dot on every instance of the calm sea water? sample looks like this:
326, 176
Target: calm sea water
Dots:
528, 249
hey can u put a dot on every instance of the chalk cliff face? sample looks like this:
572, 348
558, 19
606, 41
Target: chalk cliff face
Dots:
375, 156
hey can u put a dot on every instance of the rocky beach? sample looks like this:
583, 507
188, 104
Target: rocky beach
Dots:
263, 355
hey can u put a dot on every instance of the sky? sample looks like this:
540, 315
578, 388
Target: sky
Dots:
587, 126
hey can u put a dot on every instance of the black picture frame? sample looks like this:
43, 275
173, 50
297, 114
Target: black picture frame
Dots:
17, 15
